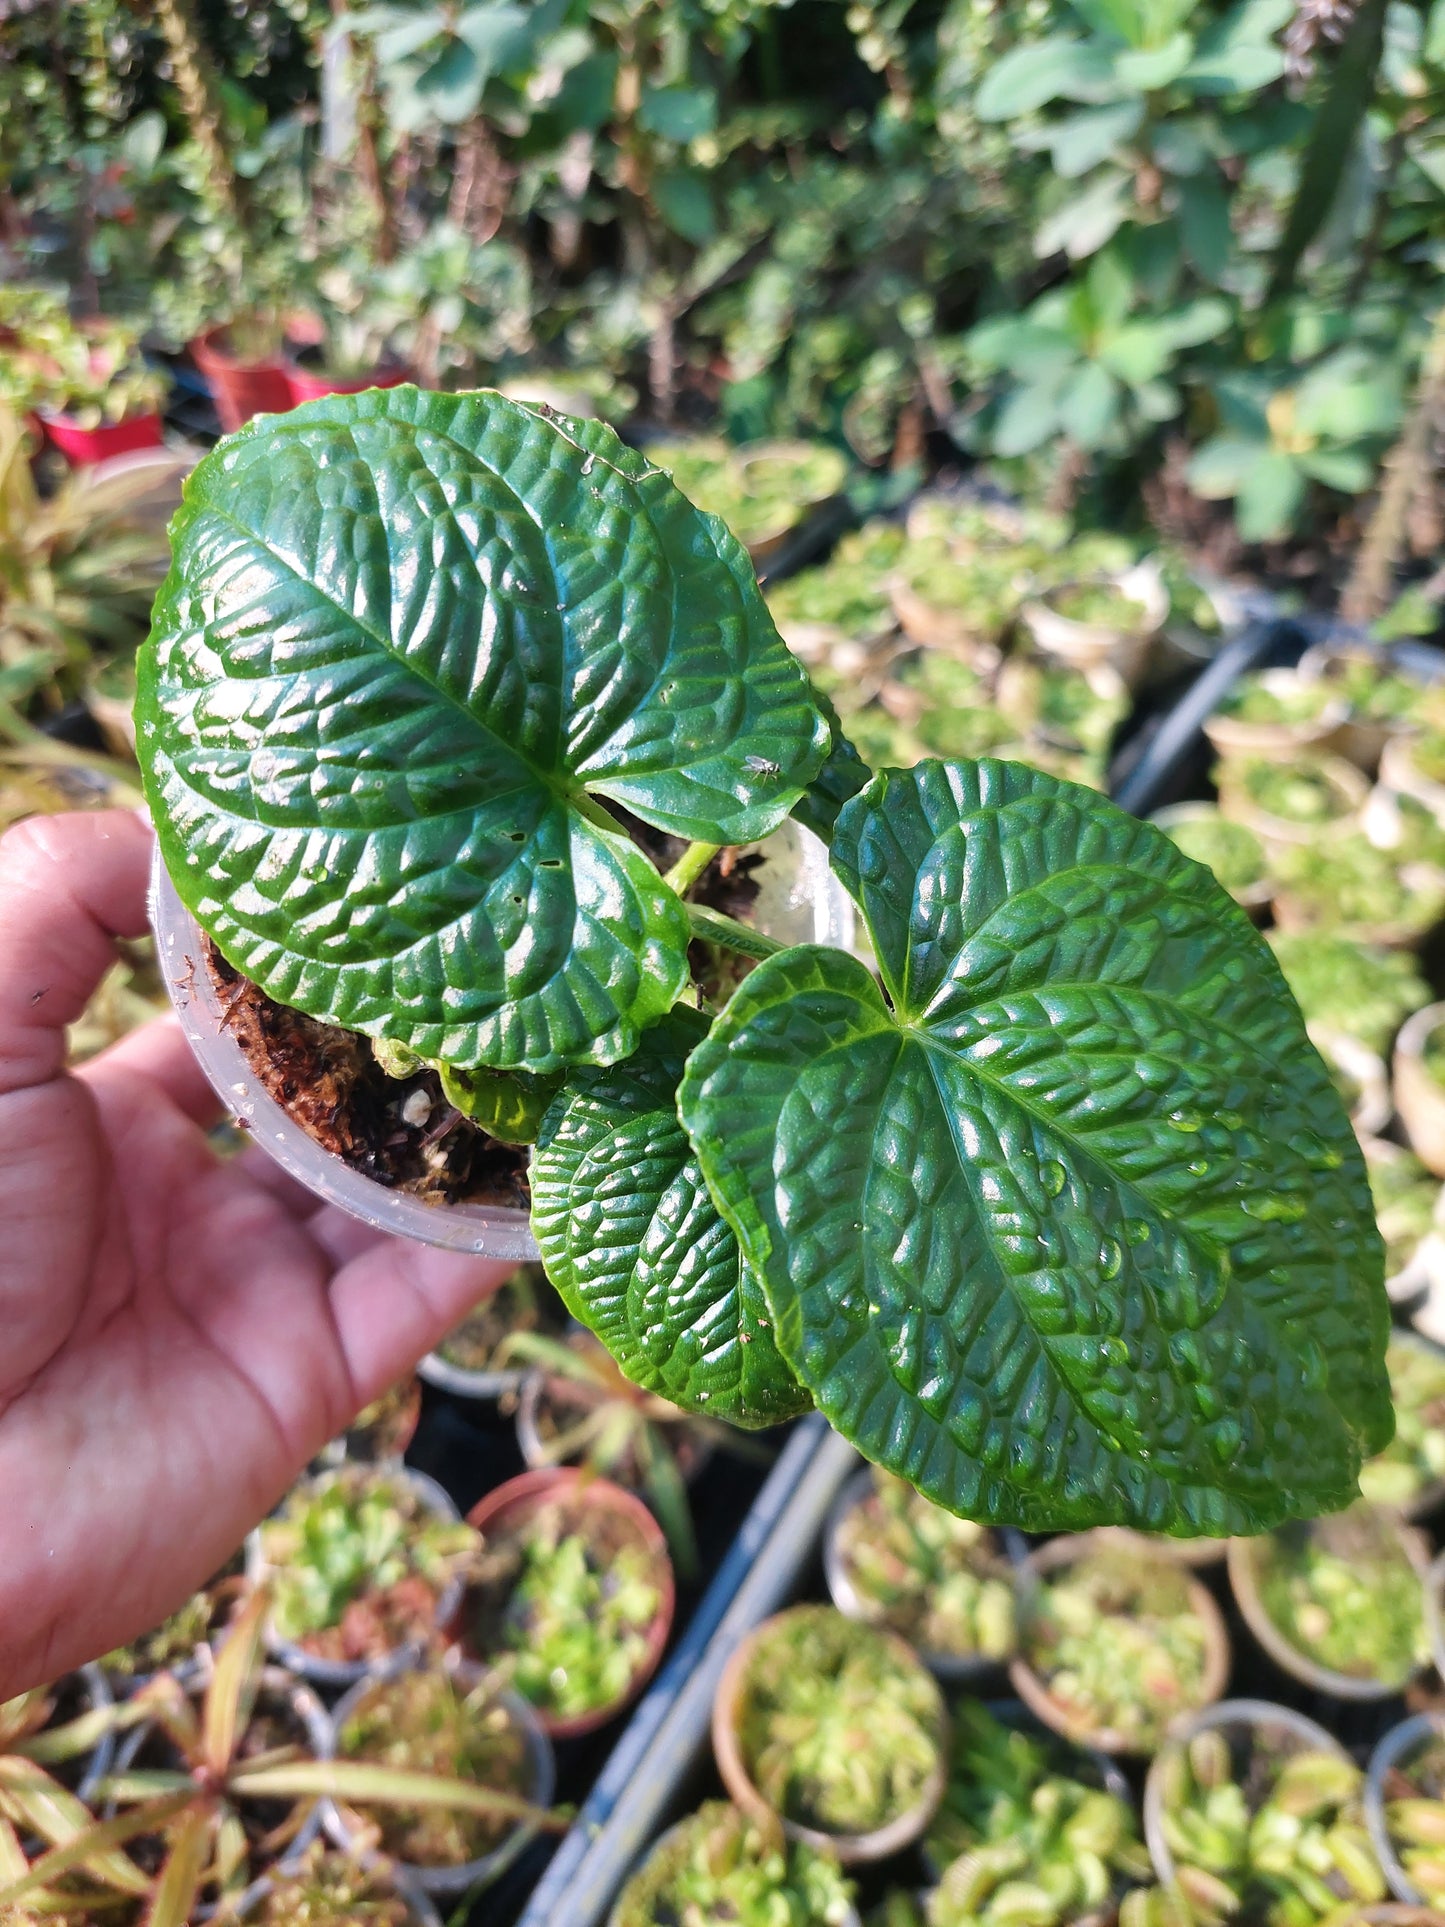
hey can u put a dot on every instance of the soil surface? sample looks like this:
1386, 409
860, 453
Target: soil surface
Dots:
403, 1132
400, 1131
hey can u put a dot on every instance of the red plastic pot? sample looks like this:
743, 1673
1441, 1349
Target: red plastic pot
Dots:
240, 389
308, 384
511, 1504
83, 447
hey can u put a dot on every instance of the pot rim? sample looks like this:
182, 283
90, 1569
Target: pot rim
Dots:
492, 1231
1324, 1679
349, 1672
851, 1849
1033, 1689
487, 1867
1251, 1713
955, 1668
527, 1492
308, 1708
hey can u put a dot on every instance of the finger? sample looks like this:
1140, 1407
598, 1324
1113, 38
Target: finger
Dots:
159, 1052
395, 1301
69, 886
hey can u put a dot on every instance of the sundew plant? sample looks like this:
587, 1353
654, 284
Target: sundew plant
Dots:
1054, 1213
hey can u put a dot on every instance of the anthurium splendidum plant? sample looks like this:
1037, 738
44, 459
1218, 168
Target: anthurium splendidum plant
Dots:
1053, 1212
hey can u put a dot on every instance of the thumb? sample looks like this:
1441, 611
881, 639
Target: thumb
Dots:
396, 1300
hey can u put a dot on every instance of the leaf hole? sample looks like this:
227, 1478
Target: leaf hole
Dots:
550, 863
516, 836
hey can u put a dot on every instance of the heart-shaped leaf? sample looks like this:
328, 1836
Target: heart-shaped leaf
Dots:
637, 1249
1069, 1226
406, 639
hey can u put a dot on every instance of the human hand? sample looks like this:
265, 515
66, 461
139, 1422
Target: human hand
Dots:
179, 1332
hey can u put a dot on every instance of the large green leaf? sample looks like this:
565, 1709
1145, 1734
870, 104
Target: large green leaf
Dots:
637, 1249
1065, 1223
406, 639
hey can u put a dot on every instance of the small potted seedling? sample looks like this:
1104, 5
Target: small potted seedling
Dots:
243, 364
1092, 624
1299, 800
234, 1789
572, 1599
1347, 884
962, 605
182, 1644
943, 1583
1405, 1808
1348, 987
762, 490
1274, 714
381, 1431
1115, 1642
720, 1864
1027, 1821
469, 1361
1409, 1475
1407, 1199
1419, 1080
364, 1563
576, 1406
324, 1888
451, 715
834, 1727
1230, 850
1065, 718
1340, 1602
1413, 764
1253, 1811
350, 348
86, 382
456, 1725
842, 605
1384, 699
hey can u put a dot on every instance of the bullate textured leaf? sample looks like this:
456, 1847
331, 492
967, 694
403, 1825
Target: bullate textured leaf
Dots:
406, 641
635, 1245
1064, 1223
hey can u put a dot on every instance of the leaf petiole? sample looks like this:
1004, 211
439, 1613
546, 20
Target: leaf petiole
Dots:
690, 866
713, 927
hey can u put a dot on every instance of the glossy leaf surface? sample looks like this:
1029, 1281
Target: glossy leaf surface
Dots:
635, 1245
405, 641
1065, 1223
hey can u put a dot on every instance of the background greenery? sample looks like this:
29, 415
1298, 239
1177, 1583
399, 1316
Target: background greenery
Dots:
1154, 255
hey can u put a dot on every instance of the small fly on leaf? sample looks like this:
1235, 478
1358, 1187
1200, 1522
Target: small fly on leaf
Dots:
760, 766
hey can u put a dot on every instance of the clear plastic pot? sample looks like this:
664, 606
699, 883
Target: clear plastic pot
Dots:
955, 1668
799, 901
1396, 1746
472, 1875
277, 1685
1239, 1721
347, 1672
